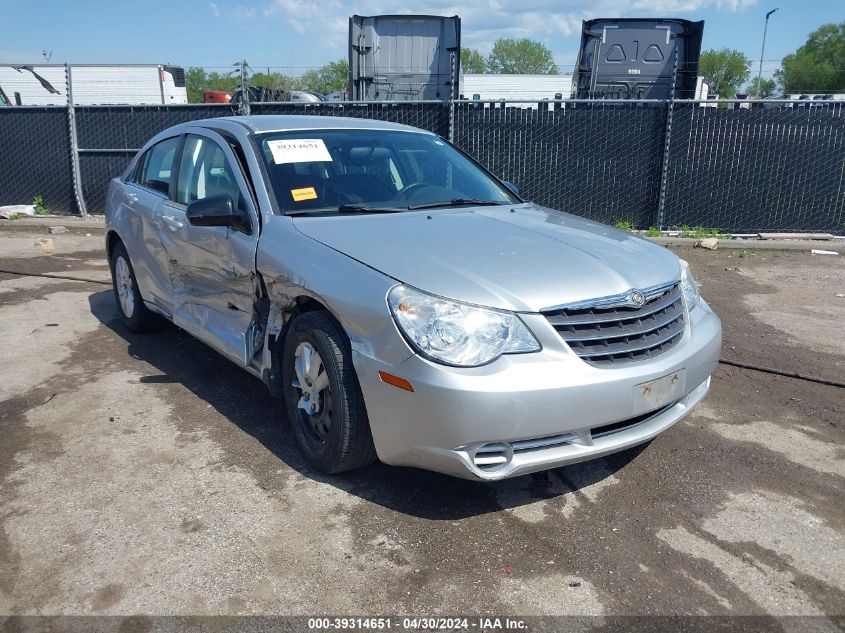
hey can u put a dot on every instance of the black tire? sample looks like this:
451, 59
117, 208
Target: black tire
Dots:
139, 317
346, 443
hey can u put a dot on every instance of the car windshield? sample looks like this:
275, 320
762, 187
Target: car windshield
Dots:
363, 171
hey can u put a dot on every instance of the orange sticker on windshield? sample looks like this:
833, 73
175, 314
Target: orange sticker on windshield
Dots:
306, 193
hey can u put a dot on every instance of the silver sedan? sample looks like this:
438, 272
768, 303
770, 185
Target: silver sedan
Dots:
401, 301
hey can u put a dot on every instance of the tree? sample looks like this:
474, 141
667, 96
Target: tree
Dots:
198, 80
332, 77
767, 88
819, 64
725, 71
471, 61
272, 81
522, 56
195, 79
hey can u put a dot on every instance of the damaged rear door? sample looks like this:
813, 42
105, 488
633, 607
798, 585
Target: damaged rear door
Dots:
212, 268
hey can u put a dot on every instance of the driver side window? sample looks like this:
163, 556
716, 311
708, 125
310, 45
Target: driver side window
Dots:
204, 171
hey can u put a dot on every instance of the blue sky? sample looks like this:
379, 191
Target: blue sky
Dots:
292, 35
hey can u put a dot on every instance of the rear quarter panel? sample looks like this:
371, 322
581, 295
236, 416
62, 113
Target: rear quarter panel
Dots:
139, 234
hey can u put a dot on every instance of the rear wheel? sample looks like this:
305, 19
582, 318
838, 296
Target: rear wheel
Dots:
130, 305
322, 396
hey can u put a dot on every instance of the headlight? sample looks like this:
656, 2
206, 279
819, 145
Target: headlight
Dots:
456, 333
688, 286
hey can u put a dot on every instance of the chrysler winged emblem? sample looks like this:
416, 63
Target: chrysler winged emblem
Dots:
636, 298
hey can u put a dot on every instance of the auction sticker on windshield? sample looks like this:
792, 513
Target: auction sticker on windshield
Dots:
299, 151
306, 193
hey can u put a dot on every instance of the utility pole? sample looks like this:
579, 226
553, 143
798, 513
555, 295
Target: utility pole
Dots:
763, 52
243, 74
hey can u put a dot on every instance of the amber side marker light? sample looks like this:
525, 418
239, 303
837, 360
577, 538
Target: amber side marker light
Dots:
396, 381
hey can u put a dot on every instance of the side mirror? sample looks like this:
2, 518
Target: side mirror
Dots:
511, 187
218, 211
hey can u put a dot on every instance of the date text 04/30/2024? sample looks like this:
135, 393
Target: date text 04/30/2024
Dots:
416, 623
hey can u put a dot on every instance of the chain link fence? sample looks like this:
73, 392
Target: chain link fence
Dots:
35, 157
599, 159
737, 167
780, 167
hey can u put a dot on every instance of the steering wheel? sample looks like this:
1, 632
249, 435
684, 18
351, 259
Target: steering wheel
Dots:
414, 186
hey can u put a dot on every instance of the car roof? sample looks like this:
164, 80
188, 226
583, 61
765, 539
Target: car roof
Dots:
293, 122
243, 126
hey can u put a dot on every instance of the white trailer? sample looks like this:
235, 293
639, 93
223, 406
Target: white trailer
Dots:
494, 87
93, 84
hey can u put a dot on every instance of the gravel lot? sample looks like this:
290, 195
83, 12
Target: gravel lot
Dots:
147, 475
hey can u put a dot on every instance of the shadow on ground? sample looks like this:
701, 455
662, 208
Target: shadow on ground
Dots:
245, 402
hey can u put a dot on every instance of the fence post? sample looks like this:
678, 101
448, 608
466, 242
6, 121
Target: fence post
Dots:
76, 175
452, 97
667, 141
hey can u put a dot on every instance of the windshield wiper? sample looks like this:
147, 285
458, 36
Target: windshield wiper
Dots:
347, 208
363, 208
456, 202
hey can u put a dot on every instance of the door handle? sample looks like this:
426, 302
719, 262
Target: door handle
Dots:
130, 198
172, 222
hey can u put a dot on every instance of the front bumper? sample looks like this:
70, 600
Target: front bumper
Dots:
530, 412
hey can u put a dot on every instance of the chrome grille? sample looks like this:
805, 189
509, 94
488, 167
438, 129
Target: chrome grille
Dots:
610, 330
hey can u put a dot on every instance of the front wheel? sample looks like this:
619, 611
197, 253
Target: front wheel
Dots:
322, 396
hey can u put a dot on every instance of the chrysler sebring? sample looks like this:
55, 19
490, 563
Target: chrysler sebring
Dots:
401, 301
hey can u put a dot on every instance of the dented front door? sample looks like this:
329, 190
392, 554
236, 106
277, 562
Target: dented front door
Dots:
212, 269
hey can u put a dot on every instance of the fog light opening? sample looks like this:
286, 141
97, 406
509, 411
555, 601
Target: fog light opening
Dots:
492, 457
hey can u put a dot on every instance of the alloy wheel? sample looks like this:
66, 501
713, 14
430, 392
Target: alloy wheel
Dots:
311, 384
125, 290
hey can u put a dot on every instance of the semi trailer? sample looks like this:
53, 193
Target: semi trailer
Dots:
93, 84
638, 58
404, 57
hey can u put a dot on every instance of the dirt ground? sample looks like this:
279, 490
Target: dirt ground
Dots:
148, 475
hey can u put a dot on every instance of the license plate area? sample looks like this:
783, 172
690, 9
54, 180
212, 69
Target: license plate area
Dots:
657, 393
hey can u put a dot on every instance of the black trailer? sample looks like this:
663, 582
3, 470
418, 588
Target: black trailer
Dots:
637, 58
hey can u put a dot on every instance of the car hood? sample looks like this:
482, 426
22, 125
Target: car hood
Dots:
524, 258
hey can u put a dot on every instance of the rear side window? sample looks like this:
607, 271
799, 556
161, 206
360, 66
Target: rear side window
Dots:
157, 165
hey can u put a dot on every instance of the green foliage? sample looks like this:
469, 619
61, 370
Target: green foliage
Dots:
198, 80
273, 81
38, 203
725, 71
819, 64
767, 88
329, 78
743, 254
624, 225
471, 61
521, 56
332, 77
700, 232
653, 231
195, 80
